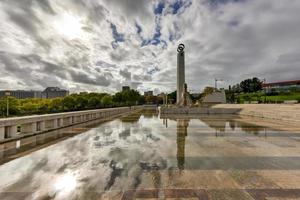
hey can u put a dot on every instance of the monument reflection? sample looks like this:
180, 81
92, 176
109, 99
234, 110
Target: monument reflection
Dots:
182, 126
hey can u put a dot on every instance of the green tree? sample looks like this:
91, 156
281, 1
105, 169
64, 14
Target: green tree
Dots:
56, 105
94, 102
68, 103
172, 96
208, 90
251, 85
13, 106
81, 102
130, 97
106, 101
29, 107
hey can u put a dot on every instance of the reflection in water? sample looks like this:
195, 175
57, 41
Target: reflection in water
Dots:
10, 150
134, 118
165, 122
116, 172
182, 125
232, 124
218, 125
138, 152
66, 183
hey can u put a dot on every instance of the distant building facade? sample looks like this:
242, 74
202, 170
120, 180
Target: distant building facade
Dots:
21, 94
283, 85
125, 88
54, 92
148, 93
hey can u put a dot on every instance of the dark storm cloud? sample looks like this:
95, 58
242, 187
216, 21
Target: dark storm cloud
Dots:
125, 74
22, 14
17, 67
291, 58
142, 78
119, 55
135, 85
101, 63
132, 7
46, 6
82, 77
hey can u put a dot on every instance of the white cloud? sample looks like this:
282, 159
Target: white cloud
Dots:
71, 43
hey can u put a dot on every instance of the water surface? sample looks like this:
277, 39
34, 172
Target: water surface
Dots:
143, 156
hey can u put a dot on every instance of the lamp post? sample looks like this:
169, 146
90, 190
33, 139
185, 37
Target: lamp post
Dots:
265, 90
7, 94
166, 100
216, 83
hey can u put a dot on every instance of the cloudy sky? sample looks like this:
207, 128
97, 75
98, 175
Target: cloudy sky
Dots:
100, 45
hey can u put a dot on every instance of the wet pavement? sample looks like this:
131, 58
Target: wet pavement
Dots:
143, 156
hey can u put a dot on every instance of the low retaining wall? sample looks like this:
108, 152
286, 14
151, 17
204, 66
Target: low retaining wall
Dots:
284, 112
197, 110
17, 127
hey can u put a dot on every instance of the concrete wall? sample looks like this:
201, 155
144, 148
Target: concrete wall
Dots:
290, 112
215, 97
40, 123
197, 110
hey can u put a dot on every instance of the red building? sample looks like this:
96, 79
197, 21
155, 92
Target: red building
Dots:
283, 85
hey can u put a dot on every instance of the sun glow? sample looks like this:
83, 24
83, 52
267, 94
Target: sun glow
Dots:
65, 183
69, 26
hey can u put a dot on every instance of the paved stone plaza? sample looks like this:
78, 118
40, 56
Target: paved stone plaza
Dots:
142, 156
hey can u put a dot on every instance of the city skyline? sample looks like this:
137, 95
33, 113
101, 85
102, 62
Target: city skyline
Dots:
103, 45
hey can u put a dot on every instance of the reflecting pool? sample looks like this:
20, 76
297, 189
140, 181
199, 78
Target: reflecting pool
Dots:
147, 156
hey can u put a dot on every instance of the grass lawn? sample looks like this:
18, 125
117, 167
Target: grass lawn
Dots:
261, 97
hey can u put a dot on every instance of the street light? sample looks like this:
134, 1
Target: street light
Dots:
7, 94
265, 90
216, 83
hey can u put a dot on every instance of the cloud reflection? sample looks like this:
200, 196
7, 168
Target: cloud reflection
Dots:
65, 183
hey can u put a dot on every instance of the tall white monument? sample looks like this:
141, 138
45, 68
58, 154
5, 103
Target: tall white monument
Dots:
180, 73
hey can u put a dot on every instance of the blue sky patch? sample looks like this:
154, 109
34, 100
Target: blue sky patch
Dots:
151, 70
180, 4
176, 6
159, 8
155, 40
218, 2
138, 28
118, 37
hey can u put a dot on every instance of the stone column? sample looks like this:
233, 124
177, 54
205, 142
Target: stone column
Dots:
77, 119
66, 121
48, 124
42, 126
59, 122
55, 123
13, 131
180, 71
2, 133
2, 147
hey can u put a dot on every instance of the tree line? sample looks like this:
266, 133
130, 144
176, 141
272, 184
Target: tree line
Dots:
73, 102
252, 90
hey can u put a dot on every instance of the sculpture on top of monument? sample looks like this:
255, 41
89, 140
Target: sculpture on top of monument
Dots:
180, 48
